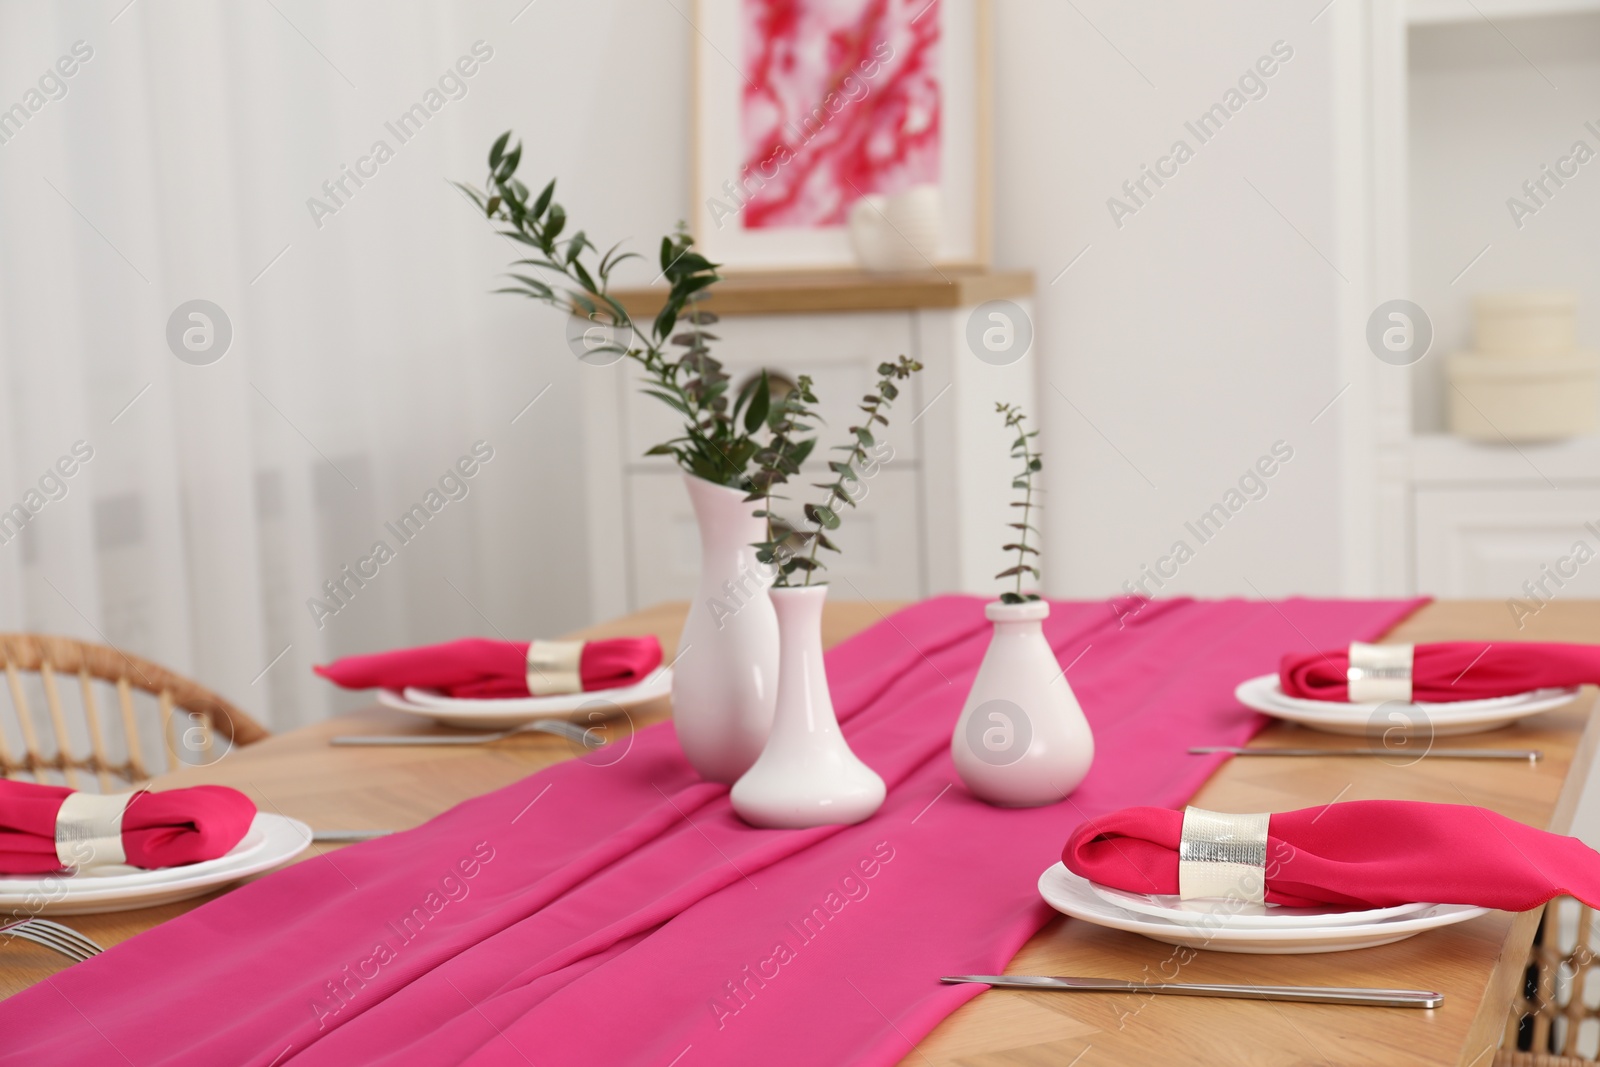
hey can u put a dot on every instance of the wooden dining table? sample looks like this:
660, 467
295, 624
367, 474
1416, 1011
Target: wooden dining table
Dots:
1477, 965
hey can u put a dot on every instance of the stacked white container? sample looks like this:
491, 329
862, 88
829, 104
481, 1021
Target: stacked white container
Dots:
1526, 379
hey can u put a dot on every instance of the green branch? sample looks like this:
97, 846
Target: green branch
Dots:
1032, 463
785, 543
570, 274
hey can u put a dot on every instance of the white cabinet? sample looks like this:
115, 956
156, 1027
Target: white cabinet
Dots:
933, 515
1497, 522
1508, 543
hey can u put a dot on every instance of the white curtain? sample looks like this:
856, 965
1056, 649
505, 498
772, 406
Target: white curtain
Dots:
369, 367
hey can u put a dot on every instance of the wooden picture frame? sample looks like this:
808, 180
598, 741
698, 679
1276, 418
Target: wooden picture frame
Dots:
734, 217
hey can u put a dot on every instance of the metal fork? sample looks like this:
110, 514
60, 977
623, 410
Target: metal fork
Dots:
54, 936
560, 727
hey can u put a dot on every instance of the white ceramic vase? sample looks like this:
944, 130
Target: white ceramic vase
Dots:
725, 679
807, 775
897, 233
1022, 740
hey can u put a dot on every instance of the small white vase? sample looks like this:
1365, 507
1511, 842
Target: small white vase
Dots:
725, 679
916, 215
1022, 740
807, 775
897, 233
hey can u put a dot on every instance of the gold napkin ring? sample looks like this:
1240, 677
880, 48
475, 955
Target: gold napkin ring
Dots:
89, 829
553, 667
1380, 672
1223, 855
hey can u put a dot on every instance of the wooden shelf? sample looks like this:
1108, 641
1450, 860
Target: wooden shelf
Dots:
774, 293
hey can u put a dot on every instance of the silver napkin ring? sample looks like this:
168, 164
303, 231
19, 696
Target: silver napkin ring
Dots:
553, 667
89, 829
1379, 672
1223, 855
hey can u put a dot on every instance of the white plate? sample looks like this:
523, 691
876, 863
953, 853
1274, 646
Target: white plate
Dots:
501, 713
271, 840
1075, 896
116, 876
1238, 914
1397, 719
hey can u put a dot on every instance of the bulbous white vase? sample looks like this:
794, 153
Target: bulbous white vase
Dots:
897, 233
807, 775
725, 679
1022, 740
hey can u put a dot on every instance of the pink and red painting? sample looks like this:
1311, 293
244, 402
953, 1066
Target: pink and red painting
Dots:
841, 99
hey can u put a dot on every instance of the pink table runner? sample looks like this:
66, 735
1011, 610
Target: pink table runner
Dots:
613, 909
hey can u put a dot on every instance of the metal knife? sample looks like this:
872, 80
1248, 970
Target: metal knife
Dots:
1377, 998
1532, 755
341, 837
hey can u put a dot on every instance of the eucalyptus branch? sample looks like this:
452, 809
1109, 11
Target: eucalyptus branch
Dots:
1032, 463
785, 543
781, 458
571, 274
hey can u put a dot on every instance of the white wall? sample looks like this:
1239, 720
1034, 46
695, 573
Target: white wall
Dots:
1202, 330
1183, 344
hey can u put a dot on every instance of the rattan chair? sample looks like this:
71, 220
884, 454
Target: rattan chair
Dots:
161, 719
1546, 1026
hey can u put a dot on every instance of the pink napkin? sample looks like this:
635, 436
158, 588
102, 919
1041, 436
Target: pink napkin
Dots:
480, 668
1362, 853
166, 829
613, 910
1453, 670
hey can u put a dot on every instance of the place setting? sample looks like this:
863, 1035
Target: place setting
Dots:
1401, 692
1343, 877
1351, 875
65, 852
508, 686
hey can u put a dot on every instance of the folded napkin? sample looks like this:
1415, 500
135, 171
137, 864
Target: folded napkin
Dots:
479, 668
167, 829
1453, 670
1362, 854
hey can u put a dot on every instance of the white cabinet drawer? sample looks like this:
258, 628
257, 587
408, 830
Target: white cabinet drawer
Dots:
1489, 542
881, 552
841, 352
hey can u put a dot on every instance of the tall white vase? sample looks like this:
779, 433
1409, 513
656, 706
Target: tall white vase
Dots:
1022, 739
807, 775
725, 679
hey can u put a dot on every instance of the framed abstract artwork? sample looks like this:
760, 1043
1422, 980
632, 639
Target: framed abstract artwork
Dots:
803, 108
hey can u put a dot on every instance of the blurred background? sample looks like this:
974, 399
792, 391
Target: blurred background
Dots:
1233, 316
